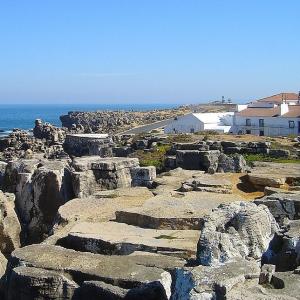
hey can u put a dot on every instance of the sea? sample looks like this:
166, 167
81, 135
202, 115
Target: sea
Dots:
22, 116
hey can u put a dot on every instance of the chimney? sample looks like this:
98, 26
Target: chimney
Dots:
284, 108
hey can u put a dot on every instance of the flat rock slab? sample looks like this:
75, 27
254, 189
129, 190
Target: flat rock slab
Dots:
102, 205
267, 179
172, 180
108, 164
97, 208
122, 239
278, 173
177, 213
124, 271
208, 183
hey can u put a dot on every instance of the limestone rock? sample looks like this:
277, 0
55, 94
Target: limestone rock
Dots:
41, 187
202, 282
88, 144
209, 160
2, 171
36, 283
284, 250
143, 176
167, 212
207, 184
92, 174
282, 205
234, 164
267, 179
122, 239
235, 230
126, 272
10, 228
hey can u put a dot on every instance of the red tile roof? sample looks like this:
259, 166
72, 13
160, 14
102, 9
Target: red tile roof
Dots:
279, 97
294, 112
259, 112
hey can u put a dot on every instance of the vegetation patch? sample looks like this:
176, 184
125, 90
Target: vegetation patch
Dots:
165, 237
250, 158
154, 158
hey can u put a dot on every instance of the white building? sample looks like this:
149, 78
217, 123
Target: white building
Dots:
278, 115
195, 122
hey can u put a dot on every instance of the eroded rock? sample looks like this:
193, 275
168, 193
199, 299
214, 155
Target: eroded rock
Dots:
236, 230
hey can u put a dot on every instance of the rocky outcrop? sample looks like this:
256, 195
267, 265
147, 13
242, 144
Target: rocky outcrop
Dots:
143, 176
202, 282
88, 144
92, 174
177, 213
114, 121
48, 132
284, 250
2, 171
19, 144
210, 161
237, 230
64, 269
37, 283
41, 187
112, 238
234, 164
282, 205
10, 228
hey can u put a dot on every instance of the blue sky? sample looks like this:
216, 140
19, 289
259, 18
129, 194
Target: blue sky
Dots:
140, 51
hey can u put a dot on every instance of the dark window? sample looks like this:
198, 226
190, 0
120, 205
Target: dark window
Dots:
192, 130
291, 124
248, 122
248, 131
261, 123
261, 133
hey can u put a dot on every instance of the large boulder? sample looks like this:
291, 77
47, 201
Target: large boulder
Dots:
36, 283
236, 230
209, 160
9, 224
203, 283
41, 187
233, 164
143, 176
92, 174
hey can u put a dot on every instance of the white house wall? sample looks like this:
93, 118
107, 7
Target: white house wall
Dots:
273, 126
185, 124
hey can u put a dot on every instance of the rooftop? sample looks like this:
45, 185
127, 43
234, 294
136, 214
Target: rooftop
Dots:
279, 98
294, 112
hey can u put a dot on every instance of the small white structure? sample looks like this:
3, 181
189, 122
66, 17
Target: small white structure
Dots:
278, 115
195, 122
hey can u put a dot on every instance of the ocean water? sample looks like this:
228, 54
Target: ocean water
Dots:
23, 116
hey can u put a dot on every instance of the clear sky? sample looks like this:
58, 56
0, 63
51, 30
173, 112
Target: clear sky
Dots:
139, 51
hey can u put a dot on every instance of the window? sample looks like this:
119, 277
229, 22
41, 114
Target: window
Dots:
192, 130
291, 124
261, 133
261, 123
248, 122
248, 131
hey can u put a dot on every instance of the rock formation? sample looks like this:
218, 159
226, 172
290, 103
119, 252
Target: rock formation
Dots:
237, 230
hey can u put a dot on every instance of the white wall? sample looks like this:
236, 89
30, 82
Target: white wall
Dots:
273, 126
185, 124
